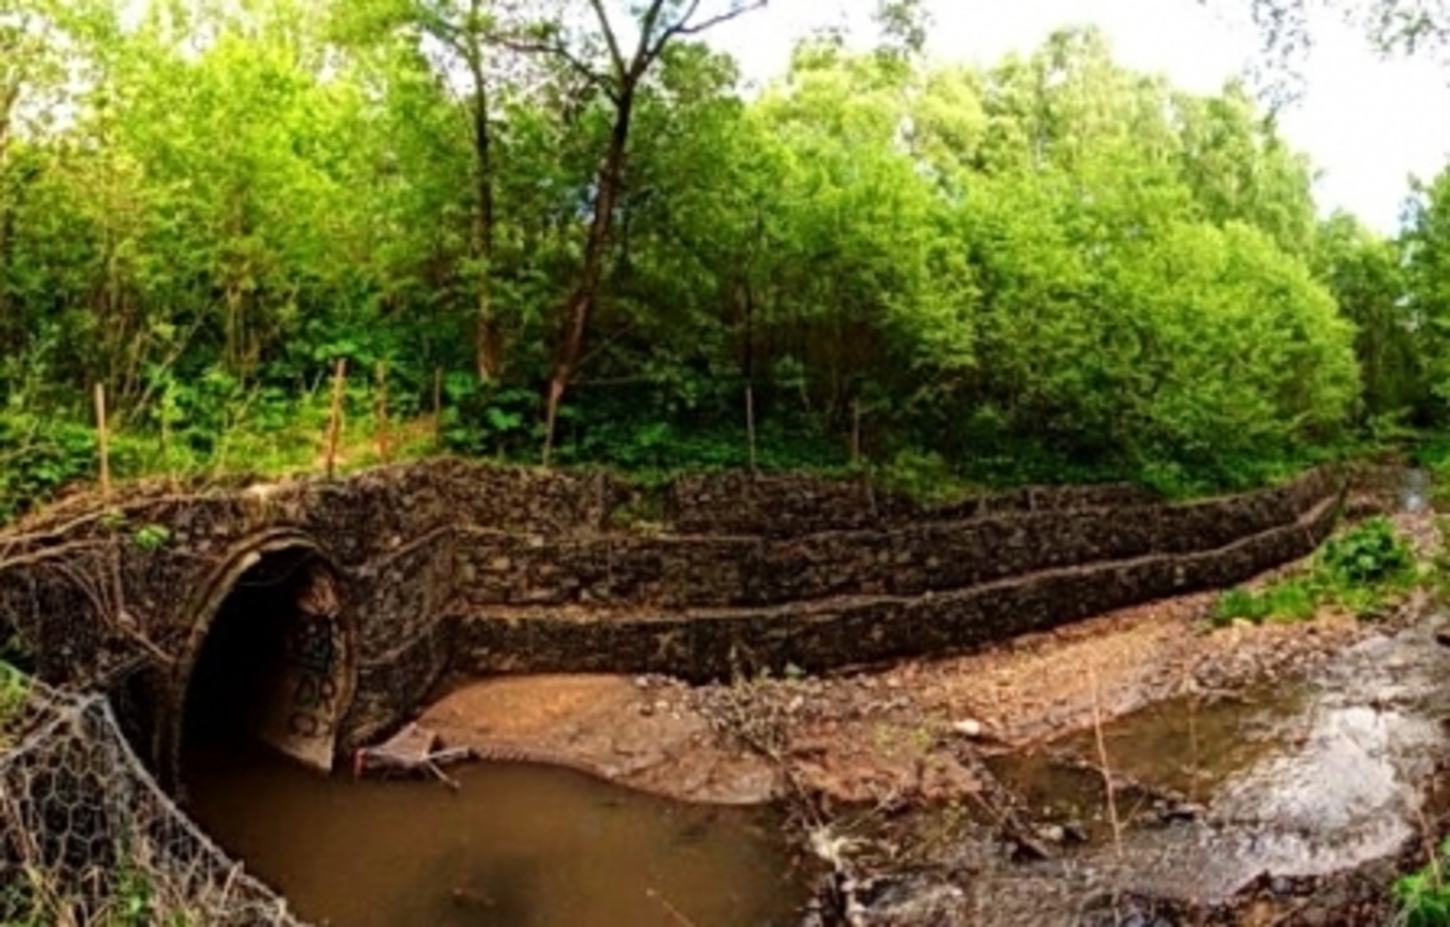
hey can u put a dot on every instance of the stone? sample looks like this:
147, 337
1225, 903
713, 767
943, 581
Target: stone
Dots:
969, 728
1051, 833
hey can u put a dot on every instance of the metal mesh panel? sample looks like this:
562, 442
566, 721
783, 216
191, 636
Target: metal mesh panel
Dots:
88, 838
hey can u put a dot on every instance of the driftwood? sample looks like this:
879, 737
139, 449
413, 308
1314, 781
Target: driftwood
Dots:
413, 749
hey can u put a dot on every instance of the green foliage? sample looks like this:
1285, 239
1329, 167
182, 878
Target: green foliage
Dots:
1291, 601
1423, 897
39, 458
1034, 271
14, 691
152, 537
1359, 571
925, 476
1371, 554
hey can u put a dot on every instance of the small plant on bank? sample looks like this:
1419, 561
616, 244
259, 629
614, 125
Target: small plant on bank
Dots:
14, 692
1422, 897
1371, 554
1359, 571
152, 537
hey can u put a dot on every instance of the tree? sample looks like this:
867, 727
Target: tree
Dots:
1369, 280
1426, 248
458, 40
1408, 26
602, 58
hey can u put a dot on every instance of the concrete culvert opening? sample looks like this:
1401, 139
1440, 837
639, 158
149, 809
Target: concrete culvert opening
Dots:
274, 663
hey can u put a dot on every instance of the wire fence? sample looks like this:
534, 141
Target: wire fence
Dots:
87, 837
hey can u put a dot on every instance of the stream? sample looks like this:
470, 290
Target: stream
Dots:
1292, 782
1285, 781
515, 846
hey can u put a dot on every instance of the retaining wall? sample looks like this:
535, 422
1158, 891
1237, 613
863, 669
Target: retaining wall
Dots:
448, 566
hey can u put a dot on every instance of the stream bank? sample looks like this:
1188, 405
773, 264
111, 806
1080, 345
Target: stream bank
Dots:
1274, 774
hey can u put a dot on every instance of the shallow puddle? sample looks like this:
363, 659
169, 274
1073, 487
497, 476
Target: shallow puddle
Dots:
520, 846
1187, 746
1301, 780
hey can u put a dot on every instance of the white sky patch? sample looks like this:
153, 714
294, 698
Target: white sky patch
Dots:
1367, 123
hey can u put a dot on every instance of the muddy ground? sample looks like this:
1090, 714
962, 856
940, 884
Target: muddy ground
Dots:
907, 771
915, 729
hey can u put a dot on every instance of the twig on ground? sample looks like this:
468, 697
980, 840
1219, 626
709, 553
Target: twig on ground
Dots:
1103, 763
670, 909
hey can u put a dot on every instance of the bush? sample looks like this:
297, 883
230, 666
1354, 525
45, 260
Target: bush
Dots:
1370, 554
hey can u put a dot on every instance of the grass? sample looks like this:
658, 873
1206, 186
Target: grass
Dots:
1422, 897
1361, 571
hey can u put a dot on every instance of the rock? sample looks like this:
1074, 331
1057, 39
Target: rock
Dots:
917, 901
1185, 811
969, 728
1051, 833
1442, 636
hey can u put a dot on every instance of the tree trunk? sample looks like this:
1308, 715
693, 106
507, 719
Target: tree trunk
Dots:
580, 303
7, 232
488, 340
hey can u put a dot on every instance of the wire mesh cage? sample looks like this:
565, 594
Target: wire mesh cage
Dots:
87, 837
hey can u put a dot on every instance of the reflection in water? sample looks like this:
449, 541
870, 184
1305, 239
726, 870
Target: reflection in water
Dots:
519, 846
1299, 780
1187, 746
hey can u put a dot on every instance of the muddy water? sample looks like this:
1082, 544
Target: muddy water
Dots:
1185, 746
1300, 781
518, 846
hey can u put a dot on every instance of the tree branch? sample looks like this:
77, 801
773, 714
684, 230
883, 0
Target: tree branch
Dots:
558, 50
683, 26
609, 37
647, 51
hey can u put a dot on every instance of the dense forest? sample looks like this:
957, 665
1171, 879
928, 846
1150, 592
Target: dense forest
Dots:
567, 232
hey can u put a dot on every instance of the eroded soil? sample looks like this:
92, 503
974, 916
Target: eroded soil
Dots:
918, 728
1261, 775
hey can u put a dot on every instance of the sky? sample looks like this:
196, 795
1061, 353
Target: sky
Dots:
1367, 123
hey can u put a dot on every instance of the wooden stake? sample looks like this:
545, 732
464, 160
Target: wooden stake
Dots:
855, 431
334, 427
103, 440
438, 409
380, 409
750, 421
1103, 764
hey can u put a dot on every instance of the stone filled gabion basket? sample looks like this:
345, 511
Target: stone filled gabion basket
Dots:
89, 838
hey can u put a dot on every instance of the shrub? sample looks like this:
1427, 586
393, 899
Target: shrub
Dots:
1370, 554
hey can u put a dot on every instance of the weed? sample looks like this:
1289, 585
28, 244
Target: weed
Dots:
923, 476
14, 690
1422, 897
1239, 604
1295, 600
1360, 571
152, 537
1370, 554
